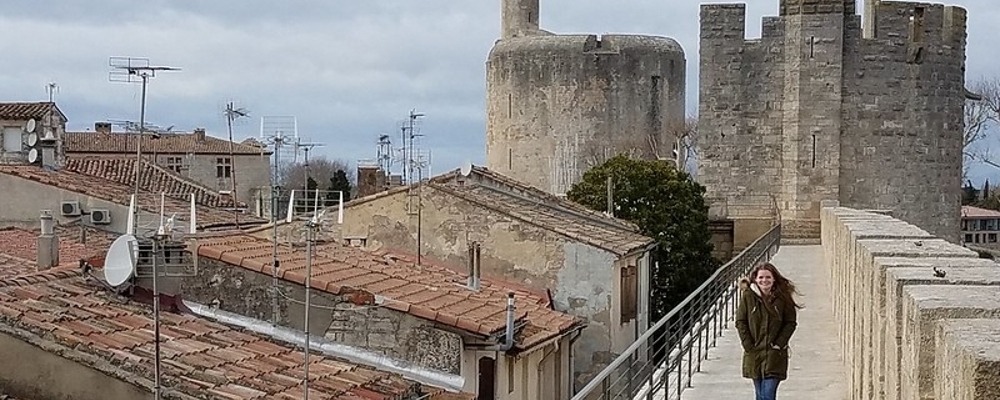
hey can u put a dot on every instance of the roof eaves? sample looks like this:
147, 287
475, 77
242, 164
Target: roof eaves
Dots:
471, 198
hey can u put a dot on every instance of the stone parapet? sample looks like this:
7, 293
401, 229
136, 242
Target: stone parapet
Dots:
892, 283
968, 354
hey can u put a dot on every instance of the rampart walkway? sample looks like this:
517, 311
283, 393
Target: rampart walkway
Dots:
816, 370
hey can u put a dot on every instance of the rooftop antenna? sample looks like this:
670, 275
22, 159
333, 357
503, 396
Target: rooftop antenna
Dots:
52, 88
408, 133
233, 113
278, 132
136, 69
384, 153
153, 253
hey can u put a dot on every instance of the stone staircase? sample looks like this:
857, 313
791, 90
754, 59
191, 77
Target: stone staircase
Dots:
800, 232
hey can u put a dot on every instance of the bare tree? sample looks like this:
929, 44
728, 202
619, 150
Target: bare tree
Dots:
321, 169
981, 116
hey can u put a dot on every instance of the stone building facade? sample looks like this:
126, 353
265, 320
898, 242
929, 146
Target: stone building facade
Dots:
560, 104
820, 109
594, 266
197, 156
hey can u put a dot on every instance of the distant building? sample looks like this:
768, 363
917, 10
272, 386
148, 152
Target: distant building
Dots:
205, 159
980, 226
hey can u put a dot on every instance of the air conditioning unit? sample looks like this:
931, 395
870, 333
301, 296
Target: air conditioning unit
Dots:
70, 208
100, 217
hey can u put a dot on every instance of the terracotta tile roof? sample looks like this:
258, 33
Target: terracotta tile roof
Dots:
19, 252
976, 212
101, 188
154, 178
427, 291
504, 195
167, 143
200, 358
24, 111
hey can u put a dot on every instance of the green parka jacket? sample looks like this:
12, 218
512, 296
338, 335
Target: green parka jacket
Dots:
765, 327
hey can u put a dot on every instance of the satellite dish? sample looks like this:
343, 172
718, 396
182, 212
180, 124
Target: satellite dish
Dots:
33, 156
30, 126
119, 264
32, 139
466, 168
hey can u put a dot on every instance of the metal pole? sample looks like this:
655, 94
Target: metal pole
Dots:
309, 241
232, 159
138, 148
274, 222
156, 320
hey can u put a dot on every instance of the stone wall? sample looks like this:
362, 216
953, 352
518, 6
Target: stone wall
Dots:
348, 318
910, 307
582, 279
559, 104
816, 110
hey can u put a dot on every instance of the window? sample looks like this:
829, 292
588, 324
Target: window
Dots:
12, 139
629, 289
223, 167
175, 164
968, 238
991, 238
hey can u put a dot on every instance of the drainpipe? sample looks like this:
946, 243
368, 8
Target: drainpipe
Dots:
474, 267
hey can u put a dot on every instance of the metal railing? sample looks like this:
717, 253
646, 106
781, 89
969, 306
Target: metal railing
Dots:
660, 363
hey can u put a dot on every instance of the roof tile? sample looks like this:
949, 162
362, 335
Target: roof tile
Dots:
166, 143
23, 111
153, 178
428, 291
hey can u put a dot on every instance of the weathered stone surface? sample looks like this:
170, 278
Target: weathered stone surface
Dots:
968, 354
559, 104
923, 307
812, 111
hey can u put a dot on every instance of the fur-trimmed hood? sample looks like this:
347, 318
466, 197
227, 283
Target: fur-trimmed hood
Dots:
745, 284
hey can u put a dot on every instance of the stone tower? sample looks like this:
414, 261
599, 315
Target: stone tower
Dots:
817, 109
560, 104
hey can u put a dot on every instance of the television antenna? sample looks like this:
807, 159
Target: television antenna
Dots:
153, 254
384, 153
408, 134
130, 70
233, 113
278, 132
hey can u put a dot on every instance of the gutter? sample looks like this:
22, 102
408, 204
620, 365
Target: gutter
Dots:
426, 376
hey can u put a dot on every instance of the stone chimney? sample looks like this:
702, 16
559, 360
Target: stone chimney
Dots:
199, 134
371, 180
48, 243
102, 127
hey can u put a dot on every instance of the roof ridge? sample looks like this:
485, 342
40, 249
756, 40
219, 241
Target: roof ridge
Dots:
555, 229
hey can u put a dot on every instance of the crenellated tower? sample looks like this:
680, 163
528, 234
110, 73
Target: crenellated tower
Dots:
821, 108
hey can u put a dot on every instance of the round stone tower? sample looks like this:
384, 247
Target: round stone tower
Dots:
560, 104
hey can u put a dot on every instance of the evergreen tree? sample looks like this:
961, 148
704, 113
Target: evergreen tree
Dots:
338, 183
667, 205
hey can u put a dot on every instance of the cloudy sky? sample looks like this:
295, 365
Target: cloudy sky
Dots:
347, 70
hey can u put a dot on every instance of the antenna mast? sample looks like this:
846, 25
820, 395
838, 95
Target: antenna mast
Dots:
232, 113
275, 131
136, 69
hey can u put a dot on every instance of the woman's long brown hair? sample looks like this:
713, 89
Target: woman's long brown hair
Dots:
783, 288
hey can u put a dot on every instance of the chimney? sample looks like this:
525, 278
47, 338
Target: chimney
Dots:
48, 243
102, 127
474, 266
199, 134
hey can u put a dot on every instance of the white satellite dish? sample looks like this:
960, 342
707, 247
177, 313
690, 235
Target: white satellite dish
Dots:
119, 264
32, 139
466, 168
30, 126
33, 156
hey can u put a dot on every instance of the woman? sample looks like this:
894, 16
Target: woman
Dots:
765, 320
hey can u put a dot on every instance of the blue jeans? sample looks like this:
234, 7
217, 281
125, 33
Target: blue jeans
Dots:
766, 389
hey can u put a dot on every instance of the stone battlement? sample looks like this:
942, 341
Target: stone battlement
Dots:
916, 313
